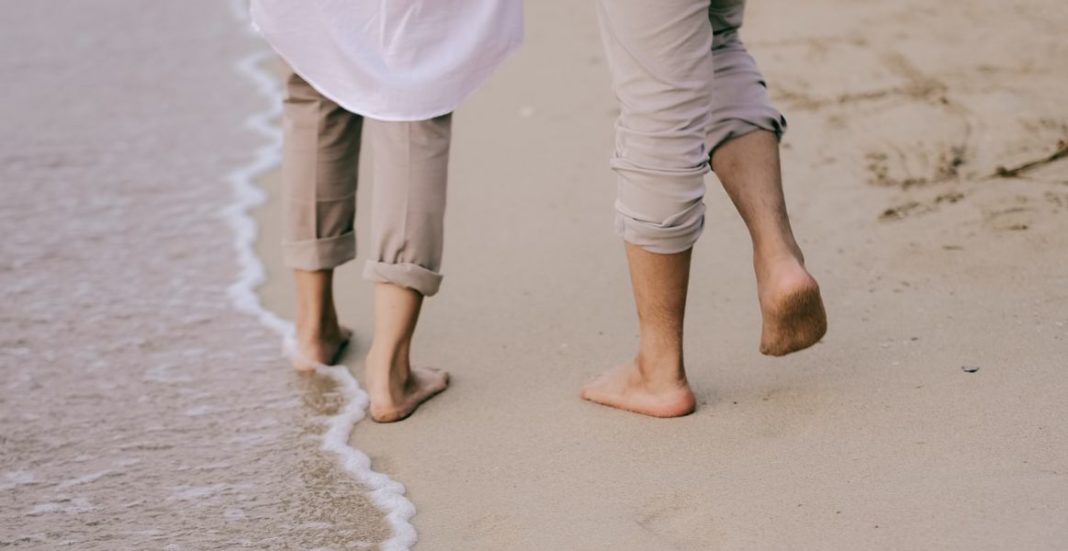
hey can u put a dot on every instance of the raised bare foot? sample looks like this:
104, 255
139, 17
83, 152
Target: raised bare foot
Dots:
794, 318
308, 351
624, 387
396, 400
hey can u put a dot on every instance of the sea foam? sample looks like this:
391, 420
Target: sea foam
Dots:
387, 494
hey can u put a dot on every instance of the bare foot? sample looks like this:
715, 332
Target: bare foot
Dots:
394, 402
307, 352
624, 387
794, 318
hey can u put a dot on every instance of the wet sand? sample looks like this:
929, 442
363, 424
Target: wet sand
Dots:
139, 409
878, 438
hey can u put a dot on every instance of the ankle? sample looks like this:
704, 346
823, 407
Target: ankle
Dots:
388, 364
784, 252
777, 251
318, 329
661, 371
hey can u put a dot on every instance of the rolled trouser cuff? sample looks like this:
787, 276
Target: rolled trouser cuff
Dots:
725, 130
659, 207
410, 276
742, 104
673, 235
319, 254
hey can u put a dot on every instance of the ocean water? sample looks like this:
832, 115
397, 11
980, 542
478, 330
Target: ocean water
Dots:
144, 403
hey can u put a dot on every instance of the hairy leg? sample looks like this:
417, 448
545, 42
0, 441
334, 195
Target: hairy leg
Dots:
794, 317
654, 383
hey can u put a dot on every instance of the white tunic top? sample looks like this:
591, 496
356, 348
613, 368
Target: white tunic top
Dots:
393, 60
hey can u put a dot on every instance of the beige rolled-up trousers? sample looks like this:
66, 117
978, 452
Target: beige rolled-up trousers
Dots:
686, 85
409, 165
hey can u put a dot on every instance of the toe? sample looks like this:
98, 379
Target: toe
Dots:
438, 378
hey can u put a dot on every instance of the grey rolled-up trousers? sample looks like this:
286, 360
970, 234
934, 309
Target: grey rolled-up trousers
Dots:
409, 165
686, 85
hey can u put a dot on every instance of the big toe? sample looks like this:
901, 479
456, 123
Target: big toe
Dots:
603, 387
432, 378
591, 392
427, 382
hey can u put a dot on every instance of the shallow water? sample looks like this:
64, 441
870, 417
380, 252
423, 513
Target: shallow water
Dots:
138, 408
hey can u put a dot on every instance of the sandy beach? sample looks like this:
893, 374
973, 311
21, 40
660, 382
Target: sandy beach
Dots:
926, 175
878, 438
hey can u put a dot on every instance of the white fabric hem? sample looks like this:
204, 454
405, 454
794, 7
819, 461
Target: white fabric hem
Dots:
352, 107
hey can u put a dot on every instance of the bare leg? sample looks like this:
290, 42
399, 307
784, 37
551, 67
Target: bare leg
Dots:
319, 337
395, 387
654, 383
790, 302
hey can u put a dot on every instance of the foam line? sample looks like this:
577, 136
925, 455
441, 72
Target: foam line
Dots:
387, 494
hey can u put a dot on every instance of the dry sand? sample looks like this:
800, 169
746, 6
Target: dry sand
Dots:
900, 113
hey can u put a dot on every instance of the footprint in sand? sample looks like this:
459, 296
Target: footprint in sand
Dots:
673, 518
1011, 219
